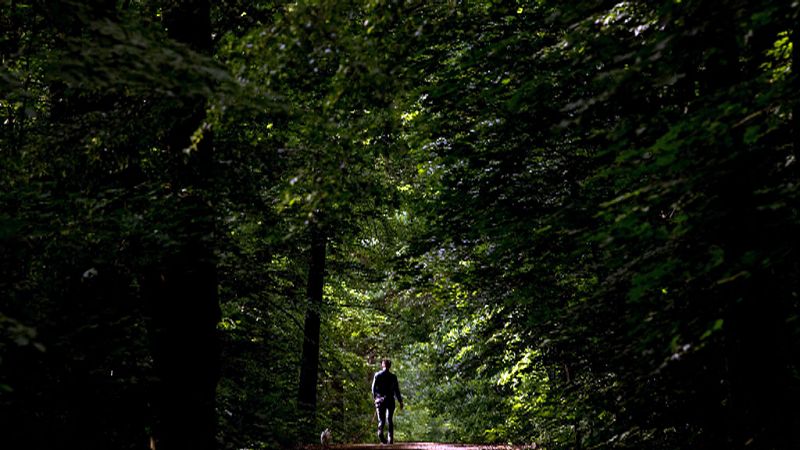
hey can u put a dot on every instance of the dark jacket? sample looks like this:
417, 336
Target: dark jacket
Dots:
384, 384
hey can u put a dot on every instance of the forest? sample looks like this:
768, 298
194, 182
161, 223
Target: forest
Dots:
571, 224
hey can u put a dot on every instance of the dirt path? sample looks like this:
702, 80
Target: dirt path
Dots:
420, 446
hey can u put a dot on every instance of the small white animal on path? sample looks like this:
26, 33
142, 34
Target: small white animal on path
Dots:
325, 438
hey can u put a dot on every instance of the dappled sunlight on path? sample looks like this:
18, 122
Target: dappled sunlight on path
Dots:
423, 446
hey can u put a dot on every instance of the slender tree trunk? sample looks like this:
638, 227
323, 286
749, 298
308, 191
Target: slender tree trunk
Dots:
796, 89
185, 306
338, 416
576, 423
309, 365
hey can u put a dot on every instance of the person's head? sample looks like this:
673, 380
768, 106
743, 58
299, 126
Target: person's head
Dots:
386, 363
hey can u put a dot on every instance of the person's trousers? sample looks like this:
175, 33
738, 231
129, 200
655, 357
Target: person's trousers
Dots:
386, 417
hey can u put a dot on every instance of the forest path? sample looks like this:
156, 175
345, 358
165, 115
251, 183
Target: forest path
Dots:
422, 446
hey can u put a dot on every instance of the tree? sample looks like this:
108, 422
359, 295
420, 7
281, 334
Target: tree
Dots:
185, 307
578, 219
591, 162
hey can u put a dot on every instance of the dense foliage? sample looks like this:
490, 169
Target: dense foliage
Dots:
570, 223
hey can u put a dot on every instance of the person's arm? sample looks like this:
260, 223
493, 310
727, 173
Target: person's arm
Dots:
374, 378
397, 392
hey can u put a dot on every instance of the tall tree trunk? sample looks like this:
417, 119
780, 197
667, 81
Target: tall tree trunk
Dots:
185, 306
338, 417
576, 423
796, 88
309, 365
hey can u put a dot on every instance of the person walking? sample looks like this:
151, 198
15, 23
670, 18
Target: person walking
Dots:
384, 390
